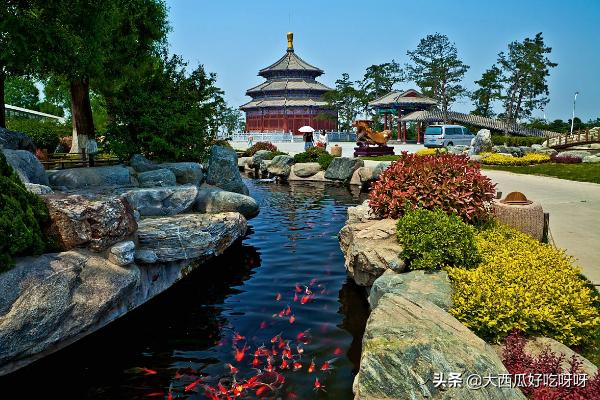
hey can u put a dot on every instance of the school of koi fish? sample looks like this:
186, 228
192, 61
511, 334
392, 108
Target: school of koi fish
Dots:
259, 371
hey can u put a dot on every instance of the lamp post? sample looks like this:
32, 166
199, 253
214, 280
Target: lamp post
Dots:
573, 118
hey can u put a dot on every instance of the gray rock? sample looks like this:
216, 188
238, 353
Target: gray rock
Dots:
78, 178
591, 159
457, 149
379, 168
214, 200
190, 236
537, 345
27, 166
97, 224
223, 171
38, 189
281, 165
146, 256
418, 286
162, 200
362, 176
545, 150
258, 157
186, 172
515, 151
360, 213
406, 342
15, 140
342, 168
482, 142
304, 170
369, 249
122, 253
142, 164
536, 146
264, 166
244, 162
574, 153
157, 177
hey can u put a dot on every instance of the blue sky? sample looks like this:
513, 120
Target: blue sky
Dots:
237, 38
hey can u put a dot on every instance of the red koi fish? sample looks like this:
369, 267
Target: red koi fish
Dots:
318, 385
281, 344
288, 311
237, 337
338, 351
276, 337
263, 324
155, 394
295, 296
149, 371
305, 299
281, 313
261, 389
278, 297
233, 370
255, 362
307, 290
297, 365
240, 353
292, 319
237, 390
192, 385
299, 349
326, 366
312, 366
304, 337
284, 364
298, 288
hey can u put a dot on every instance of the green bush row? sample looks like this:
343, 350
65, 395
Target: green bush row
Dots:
500, 140
45, 134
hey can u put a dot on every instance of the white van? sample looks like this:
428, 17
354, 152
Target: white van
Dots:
447, 135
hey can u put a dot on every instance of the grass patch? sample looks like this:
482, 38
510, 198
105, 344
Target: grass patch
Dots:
585, 172
381, 158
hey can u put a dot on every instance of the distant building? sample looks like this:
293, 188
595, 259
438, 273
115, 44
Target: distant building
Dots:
19, 112
290, 97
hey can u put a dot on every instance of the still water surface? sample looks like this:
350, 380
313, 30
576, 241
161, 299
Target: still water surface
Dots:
186, 337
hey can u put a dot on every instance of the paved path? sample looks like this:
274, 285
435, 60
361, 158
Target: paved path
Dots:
574, 209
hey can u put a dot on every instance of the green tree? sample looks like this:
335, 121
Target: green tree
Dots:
232, 120
346, 100
20, 91
490, 89
437, 70
525, 69
379, 79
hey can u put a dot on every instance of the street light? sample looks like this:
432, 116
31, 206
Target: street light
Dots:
573, 119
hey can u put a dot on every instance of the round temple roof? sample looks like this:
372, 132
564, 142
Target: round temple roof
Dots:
290, 62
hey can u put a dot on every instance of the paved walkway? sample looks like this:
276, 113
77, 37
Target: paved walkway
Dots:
574, 209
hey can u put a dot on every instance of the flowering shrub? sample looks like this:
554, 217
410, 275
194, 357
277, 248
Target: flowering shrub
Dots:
434, 239
430, 152
260, 146
566, 159
526, 285
315, 154
517, 361
527, 159
447, 181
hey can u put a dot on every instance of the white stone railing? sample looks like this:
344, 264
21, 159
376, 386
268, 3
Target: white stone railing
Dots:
284, 137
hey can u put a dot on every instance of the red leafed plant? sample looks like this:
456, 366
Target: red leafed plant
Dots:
517, 361
261, 146
446, 181
565, 159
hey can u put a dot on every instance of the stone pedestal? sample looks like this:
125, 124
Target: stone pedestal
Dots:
373, 151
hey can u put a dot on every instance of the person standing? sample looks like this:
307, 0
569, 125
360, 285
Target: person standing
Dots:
250, 139
324, 139
308, 140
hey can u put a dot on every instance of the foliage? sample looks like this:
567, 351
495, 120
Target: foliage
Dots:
22, 215
345, 99
517, 361
527, 159
232, 120
260, 146
525, 69
378, 80
221, 143
500, 140
489, 90
446, 181
437, 70
433, 239
44, 133
165, 113
584, 172
566, 159
315, 154
526, 285
274, 154
381, 158
21, 92
430, 152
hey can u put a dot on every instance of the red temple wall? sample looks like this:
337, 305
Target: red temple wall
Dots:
286, 123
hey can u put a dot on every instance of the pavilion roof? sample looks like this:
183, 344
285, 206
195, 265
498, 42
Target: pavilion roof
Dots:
283, 102
436, 115
290, 62
288, 84
406, 98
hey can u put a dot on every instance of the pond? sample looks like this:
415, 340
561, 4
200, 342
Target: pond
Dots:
276, 314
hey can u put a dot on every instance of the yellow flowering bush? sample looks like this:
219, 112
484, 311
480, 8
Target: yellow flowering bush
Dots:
526, 285
430, 152
527, 159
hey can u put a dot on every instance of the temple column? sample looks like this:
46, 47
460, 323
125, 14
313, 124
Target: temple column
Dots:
418, 133
404, 132
385, 121
262, 120
400, 125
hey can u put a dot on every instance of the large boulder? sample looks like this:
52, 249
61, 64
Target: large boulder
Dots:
360, 213
78, 178
342, 168
47, 302
157, 177
362, 176
407, 342
370, 248
15, 140
537, 345
281, 165
258, 157
305, 170
417, 285
189, 236
186, 172
162, 200
481, 142
215, 200
38, 189
122, 253
97, 224
591, 159
223, 170
457, 149
142, 164
379, 168
27, 166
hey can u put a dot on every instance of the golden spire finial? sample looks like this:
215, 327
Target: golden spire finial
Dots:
290, 38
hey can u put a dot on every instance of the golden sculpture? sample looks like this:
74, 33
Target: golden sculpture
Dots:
365, 135
290, 38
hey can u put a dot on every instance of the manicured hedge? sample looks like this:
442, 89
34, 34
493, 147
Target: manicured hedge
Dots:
499, 140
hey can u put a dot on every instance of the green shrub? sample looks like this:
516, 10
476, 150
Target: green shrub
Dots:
500, 140
324, 160
315, 154
22, 215
273, 154
433, 239
45, 134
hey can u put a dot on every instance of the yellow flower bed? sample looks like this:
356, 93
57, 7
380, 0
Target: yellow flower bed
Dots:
523, 284
430, 152
527, 159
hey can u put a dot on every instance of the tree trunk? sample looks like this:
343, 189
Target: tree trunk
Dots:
81, 109
2, 108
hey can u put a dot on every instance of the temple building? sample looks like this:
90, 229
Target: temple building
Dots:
289, 98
